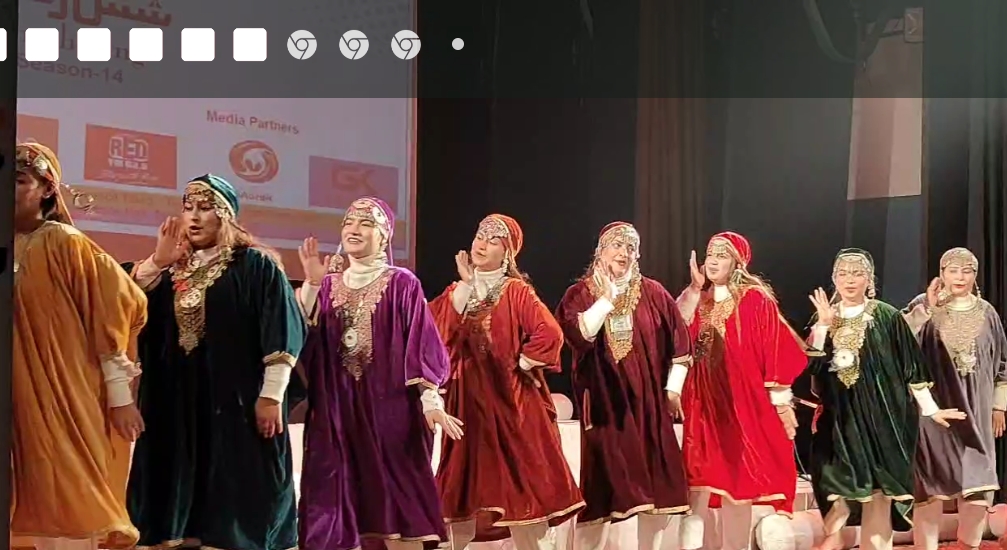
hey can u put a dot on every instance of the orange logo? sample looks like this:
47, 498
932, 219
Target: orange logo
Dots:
254, 161
39, 130
122, 156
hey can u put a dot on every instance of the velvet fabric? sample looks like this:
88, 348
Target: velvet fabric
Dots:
961, 460
733, 440
366, 475
864, 437
72, 306
201, 470
631, 461
509, 469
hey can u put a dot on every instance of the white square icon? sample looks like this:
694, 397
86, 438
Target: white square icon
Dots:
94, 44
145, 44
197, 44
3, 44
250, 44
41, 44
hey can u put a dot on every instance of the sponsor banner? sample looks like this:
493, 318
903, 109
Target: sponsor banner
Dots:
335, 183
38, 129
117, 155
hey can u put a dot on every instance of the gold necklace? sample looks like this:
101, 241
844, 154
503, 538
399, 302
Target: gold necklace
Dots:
959, 330
190, 282
848, 336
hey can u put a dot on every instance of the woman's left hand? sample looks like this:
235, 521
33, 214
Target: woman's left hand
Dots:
268, 417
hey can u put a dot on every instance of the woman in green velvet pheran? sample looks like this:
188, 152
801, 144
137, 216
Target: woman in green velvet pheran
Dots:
864, 434
213, 468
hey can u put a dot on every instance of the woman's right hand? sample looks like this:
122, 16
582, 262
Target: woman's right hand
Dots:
465, 272
314, 267
696, 272
822, 307
172, 244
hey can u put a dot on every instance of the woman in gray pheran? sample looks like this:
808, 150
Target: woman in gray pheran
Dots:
963, 340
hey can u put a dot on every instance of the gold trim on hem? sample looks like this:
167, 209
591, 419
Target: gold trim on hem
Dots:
776, 385
921, 385
685, 360
878, 493
965, 493
641, 509
186, 543
516, 523
122, 533
772, 497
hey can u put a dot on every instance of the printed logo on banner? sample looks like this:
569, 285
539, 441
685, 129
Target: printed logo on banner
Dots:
254, 161
38, 129
334, 183
116, 155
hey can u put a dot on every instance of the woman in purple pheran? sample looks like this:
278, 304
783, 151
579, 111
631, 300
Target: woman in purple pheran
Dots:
374, 362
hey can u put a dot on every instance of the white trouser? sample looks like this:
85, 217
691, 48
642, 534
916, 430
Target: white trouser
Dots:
927, 523
875, 523
65, 544
735, 521
534, 536
650, 530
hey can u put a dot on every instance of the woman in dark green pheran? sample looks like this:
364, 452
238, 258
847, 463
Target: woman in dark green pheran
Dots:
865, 430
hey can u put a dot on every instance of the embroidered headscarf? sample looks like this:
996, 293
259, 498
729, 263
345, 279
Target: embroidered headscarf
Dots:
857, 258
40, 161
620, 231
216, 191
732, 244
505, 228
961, 257
378, 212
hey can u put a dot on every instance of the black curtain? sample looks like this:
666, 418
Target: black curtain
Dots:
8, 120
560, 162
965, 77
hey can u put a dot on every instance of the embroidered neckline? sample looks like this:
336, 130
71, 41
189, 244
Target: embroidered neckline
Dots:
356, 309
959, 330
848, 336
190, 283
713, 317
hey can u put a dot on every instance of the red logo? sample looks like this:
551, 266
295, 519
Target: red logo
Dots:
254, 161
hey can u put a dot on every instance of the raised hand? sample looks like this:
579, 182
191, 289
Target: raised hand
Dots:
609, 289
697, 272
822, 306
314, 267
172, 244
465, 272
934, 293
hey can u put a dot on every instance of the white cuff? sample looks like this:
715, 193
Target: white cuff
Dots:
687, 302
1000, 398
591, 321
818, 335
147, 274
118, 371
528, 364
676, 378
925, 400
275, 381
309, 296
781, 396
460, 296
431, 400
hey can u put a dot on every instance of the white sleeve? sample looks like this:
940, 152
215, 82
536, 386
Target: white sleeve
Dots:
592, 320
925, 401
917, 317
687, 302
275, 382
460, 296
781, 396
309, 296
1000, 398
147, 274
431, 400
818, 335
676, 378
118, 372
528, 364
